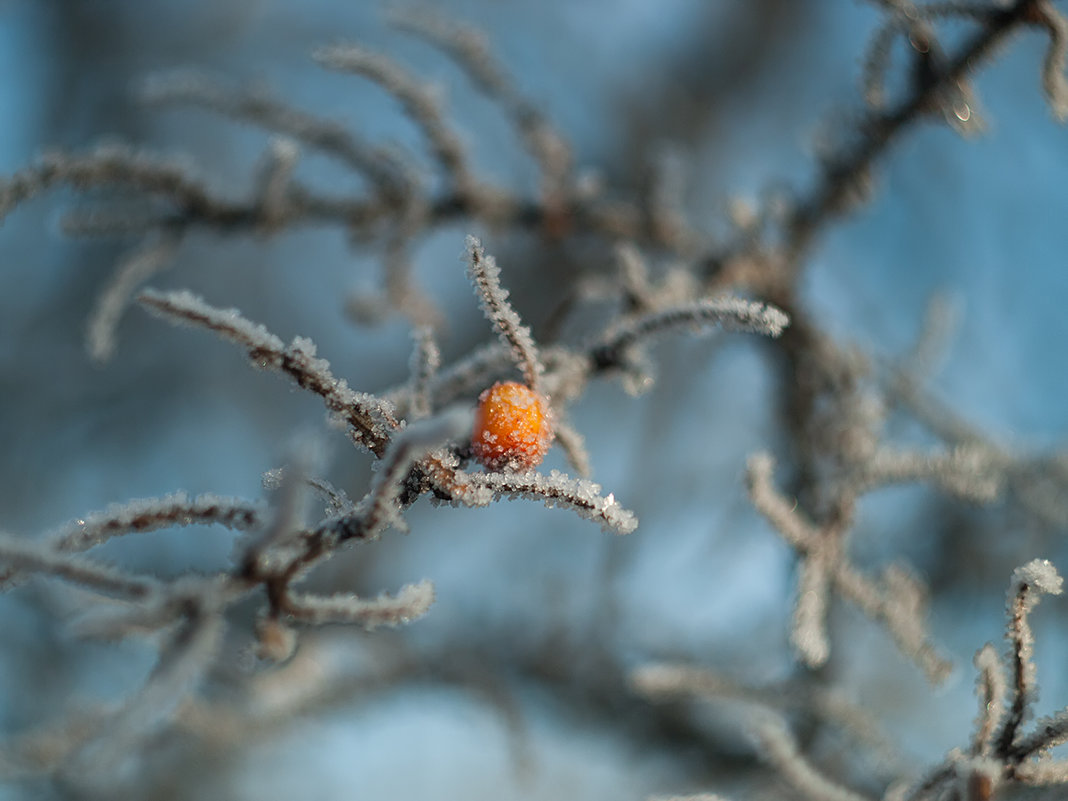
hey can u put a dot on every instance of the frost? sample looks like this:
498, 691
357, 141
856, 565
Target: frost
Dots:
486, 276
1041, 574
411, 603
558, 489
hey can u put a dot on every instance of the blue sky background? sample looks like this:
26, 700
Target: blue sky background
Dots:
741, 99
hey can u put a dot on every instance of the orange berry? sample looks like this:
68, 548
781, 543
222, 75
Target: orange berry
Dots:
513, 427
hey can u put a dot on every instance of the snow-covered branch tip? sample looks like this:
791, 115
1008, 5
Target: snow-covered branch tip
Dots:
484, 273
1029, 583
372, 420
1006, 689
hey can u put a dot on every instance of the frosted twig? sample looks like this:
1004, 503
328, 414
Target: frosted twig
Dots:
337, 501
151, 514
554, 489
188, 309
411, 603
1043, 772
991, 687
780, 512
180, 668
29, 558
109, 165
468, 375
128, 217
809, 631
997, 754
486, 276
878, 131
666, 203
260, 108
1048, 732
1029, 583
469, 47
43, 749
379, 509
426, 359
677, 682
287, 514
419, 102
371, 419
897, 603
778, 746
977, 11
967, 471
940, 323
876, 61
574, 446
402, 292
381, 506
634, 276
149, 259
733, 314
1054, 83
273, 182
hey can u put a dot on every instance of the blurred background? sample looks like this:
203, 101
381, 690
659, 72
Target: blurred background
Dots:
511, 687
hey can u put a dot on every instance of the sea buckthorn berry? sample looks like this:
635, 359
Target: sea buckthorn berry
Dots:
513, 427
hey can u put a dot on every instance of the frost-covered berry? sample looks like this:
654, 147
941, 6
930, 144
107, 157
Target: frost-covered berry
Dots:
513, 427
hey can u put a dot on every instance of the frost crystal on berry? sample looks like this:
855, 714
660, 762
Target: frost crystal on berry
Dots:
513, 427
